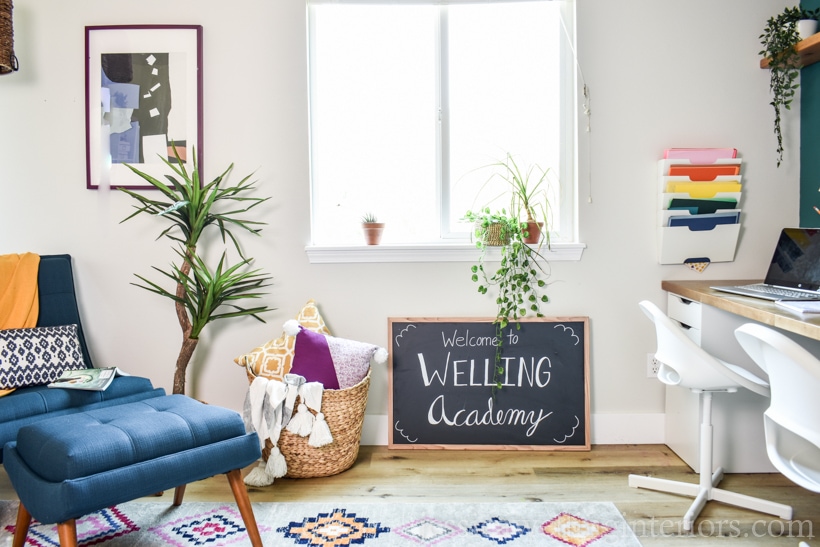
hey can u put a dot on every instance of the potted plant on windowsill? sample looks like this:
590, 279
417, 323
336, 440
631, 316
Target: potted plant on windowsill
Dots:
779, 39
372, 229
529, 197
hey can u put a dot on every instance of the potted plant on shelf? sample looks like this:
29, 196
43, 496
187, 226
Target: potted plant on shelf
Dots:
201, 293
372, 229
518, 277
779, 39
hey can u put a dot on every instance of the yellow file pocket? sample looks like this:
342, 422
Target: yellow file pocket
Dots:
703, 189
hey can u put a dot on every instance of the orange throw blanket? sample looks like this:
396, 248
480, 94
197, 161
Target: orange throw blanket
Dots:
19, 302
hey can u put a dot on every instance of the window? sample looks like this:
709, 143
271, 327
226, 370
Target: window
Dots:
410, 101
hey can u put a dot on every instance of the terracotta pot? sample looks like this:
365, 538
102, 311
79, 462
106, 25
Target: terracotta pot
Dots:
534, 231
373, 232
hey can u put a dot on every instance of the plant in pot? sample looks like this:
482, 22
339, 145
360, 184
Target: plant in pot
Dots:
201, 294
529, 197
779, 39
518, 278
372, 229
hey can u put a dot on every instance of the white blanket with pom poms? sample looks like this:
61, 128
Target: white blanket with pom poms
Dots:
268, 408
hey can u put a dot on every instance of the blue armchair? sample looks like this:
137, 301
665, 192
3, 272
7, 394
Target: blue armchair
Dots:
58, 306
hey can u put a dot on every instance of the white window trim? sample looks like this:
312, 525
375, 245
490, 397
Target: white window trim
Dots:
453, 251
445, 252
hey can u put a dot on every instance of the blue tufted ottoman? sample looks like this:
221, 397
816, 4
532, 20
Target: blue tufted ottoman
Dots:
65, 467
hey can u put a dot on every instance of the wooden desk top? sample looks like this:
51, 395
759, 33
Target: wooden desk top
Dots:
763, 311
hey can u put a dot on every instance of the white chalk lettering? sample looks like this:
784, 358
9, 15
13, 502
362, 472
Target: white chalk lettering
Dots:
436, 373
467, 341
437, 414
529, 372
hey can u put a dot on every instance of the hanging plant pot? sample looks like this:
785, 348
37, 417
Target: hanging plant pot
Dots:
373, 232
495, 235
806, 28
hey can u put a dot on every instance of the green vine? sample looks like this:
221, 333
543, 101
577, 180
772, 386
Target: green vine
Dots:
779, 39
518, 277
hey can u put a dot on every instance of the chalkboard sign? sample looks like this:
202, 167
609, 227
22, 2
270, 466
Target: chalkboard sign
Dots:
441, 384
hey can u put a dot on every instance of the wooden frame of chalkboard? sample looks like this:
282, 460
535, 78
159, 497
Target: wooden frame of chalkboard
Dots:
441, 391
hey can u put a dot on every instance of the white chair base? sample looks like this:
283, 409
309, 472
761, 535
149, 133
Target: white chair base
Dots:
711, 493
707, 489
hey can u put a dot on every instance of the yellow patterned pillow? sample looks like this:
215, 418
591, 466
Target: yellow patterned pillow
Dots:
274, 359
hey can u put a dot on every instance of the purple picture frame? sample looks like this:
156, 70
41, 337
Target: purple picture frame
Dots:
143, 94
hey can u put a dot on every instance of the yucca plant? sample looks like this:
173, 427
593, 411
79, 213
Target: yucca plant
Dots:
200, 292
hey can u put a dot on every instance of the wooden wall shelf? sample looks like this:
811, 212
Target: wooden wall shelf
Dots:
809, 50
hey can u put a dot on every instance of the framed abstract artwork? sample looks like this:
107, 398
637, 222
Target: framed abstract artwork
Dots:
143, 91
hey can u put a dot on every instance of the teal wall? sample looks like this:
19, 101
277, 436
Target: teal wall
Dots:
810, 139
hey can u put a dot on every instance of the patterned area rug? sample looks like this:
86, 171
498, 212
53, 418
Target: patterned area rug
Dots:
139, 524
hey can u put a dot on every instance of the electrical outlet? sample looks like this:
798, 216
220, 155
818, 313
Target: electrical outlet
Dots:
652, 366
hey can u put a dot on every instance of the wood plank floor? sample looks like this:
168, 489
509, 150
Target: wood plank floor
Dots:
390, 476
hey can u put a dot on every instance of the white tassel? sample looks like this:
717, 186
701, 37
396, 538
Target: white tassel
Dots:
302, 422
258, 476
320, 436
311, 394
277, 466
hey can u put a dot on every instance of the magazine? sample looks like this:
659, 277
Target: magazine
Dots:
92, 379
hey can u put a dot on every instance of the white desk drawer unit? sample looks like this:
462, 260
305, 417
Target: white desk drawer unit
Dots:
687, 313
737, 418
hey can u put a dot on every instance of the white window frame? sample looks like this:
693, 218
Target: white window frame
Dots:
454, 247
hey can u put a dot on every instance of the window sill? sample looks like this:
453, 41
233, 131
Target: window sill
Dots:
443, 252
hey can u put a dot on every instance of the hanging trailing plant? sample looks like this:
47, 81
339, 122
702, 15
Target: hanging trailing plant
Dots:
518, 278
779, 38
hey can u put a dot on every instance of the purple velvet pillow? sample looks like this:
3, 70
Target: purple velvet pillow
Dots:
336, 363
311, 359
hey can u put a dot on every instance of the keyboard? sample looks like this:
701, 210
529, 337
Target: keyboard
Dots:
781, 292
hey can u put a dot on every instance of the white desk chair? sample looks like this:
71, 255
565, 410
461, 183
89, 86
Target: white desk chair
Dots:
685, 364
792, 422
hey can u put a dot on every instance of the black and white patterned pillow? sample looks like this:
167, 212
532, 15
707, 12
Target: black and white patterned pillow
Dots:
30, 357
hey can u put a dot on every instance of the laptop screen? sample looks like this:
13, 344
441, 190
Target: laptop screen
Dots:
796, 260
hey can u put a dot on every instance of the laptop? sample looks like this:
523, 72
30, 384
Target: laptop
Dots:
794, 271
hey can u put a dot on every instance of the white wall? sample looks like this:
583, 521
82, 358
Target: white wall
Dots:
661, 74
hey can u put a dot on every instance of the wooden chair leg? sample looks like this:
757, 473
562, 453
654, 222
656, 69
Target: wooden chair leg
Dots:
240, 494
21, 527
67, 532
179, 492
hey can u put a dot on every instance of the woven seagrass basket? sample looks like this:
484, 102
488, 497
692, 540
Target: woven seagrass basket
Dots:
343, 410
492, 235
8, 62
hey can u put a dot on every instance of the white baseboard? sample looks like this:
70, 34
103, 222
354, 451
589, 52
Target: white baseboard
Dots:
606, 429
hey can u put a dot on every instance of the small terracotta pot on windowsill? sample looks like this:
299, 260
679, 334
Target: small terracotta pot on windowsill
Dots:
534, 232
373, 232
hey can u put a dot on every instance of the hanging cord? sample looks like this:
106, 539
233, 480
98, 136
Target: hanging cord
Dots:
586, 108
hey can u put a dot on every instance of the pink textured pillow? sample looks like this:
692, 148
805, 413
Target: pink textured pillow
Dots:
336, 363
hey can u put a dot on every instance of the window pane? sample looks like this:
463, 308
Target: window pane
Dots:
504, 79
399, 92
374, 122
